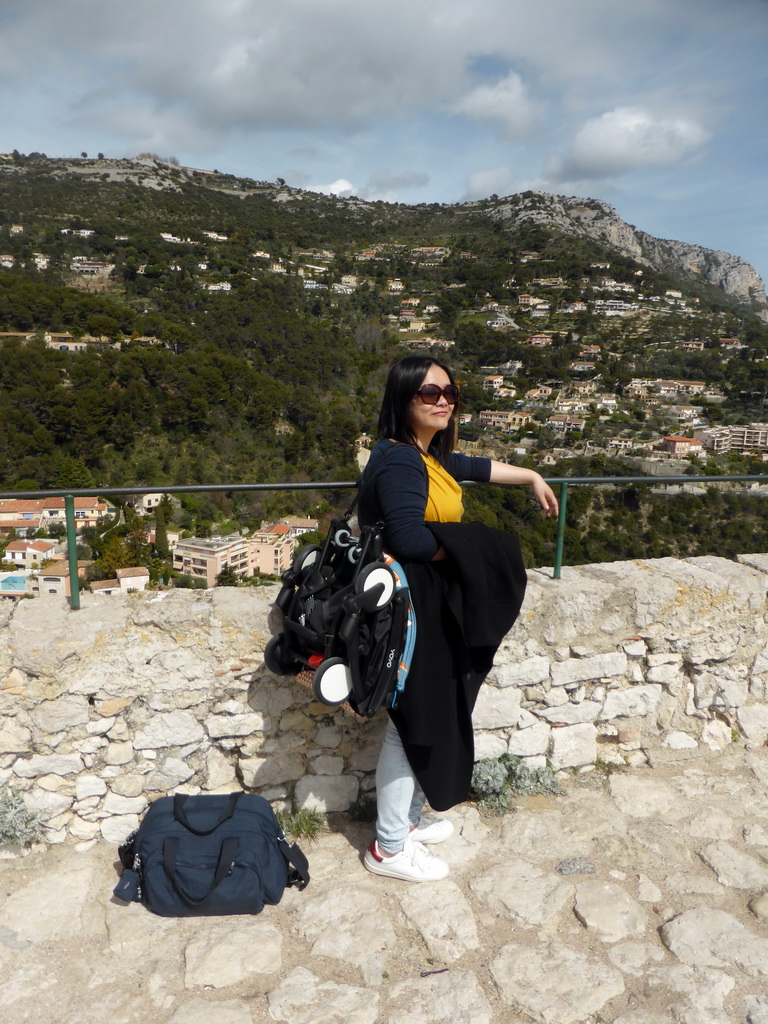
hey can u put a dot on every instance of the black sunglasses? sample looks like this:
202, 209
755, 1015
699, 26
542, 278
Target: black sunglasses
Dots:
430, 394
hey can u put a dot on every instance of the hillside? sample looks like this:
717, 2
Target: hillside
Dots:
166, 325
33, 189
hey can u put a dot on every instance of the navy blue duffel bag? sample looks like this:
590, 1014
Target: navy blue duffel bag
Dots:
208, 855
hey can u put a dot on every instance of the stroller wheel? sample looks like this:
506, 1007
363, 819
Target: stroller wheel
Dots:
373, 575
307, 556
276, 659
332, 682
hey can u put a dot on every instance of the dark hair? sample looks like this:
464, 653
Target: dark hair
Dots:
405, 378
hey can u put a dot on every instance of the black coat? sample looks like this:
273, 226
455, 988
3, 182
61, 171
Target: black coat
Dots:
464, 606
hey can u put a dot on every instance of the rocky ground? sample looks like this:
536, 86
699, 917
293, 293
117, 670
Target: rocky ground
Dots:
640, 897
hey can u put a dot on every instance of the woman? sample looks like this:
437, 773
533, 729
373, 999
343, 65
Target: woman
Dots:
467, 583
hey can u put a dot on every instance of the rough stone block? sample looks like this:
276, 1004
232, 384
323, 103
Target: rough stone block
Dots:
580, 670
573, 746
634, 702
326, 792
496, 708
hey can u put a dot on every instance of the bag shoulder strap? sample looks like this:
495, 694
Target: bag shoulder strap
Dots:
299, 876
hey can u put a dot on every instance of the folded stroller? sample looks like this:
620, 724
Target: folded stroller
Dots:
347, 615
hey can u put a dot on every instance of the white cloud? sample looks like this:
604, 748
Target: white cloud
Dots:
340, 187
505, 103
626, 139
494, 181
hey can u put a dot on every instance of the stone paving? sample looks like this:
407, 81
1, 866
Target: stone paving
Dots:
639, 897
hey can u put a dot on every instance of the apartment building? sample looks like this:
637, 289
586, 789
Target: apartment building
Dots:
742, 438
205, 557
269, 551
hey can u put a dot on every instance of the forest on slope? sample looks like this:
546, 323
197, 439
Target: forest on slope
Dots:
267, 381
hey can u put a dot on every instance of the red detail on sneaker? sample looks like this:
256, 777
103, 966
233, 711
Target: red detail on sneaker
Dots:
374, 852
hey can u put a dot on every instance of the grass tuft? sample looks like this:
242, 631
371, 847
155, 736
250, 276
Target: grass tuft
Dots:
303, 824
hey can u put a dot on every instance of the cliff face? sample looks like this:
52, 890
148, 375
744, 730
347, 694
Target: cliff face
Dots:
596, 219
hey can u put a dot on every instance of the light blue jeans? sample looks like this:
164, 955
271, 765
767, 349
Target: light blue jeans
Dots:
399, 797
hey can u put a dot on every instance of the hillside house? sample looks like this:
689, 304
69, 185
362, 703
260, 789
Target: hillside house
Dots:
511, 367
501, 321
539, 394
298, 526
492, 383
681, 446
571, 405
565, 421
29, 553
129, 580
27, 516
504, 421
683, 413
53, 581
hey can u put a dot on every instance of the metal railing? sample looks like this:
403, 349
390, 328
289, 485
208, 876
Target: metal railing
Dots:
564, 483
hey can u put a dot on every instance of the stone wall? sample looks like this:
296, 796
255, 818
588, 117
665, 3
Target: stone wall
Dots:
105, 708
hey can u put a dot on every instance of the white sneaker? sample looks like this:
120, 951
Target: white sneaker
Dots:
431, 830
414, 863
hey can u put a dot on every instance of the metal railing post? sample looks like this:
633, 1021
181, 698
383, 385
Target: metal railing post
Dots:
74, 579
560, 531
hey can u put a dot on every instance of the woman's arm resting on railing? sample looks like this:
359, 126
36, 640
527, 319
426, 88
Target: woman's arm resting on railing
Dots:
501, 473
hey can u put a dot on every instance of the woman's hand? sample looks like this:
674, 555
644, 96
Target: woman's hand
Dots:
502, 473
544, 495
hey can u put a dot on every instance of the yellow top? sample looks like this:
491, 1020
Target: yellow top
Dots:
444, 502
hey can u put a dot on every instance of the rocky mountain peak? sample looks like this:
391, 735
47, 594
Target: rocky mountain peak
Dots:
598, 220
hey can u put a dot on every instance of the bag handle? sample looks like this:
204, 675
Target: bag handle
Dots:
227, 853
297, 860
178, 812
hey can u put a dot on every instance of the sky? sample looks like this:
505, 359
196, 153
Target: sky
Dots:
658, 107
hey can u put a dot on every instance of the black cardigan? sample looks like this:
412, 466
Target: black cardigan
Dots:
464, 606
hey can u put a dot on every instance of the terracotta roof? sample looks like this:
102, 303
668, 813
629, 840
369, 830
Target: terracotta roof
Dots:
39, 504
105, 585
132, 571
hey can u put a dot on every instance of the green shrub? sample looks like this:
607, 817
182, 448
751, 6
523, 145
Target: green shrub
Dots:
19, 826
496, 781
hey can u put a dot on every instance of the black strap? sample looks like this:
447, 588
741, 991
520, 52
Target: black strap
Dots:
178, 812
227, 853
294, 856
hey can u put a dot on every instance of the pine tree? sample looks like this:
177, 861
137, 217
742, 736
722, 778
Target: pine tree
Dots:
161, 533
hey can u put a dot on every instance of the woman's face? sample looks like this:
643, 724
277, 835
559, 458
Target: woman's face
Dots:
431, 418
